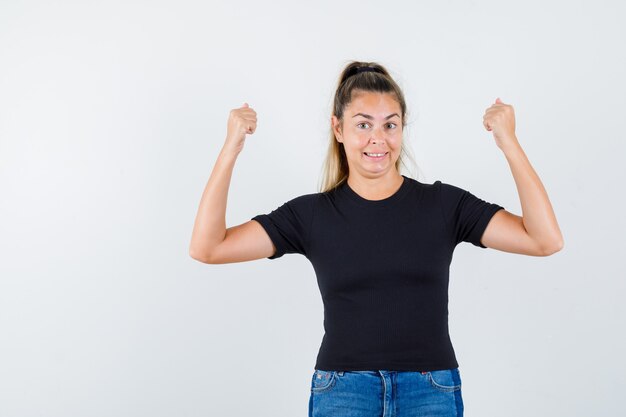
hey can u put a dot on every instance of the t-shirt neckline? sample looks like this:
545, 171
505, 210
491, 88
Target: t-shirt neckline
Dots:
353, 196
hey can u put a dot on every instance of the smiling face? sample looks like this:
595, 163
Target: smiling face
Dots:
372, 125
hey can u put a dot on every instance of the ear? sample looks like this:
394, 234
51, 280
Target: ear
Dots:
336, 126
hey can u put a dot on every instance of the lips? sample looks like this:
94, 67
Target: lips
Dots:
375, 158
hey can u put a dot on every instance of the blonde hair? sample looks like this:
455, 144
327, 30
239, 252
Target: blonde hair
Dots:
335, 167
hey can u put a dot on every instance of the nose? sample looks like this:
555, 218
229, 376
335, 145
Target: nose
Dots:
377, 136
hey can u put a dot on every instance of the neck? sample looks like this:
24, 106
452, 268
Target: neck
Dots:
376, 188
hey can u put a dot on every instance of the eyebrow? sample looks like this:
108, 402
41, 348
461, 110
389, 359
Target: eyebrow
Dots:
367, 116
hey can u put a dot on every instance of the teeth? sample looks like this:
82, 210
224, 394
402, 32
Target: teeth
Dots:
374, 154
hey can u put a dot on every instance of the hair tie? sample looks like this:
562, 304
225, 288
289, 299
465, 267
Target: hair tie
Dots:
365, 69
353, 71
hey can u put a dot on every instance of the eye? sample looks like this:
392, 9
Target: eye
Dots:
392, 125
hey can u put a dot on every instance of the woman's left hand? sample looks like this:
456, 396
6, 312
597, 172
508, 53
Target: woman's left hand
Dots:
500, 119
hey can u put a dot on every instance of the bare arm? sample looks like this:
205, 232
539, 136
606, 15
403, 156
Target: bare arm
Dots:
536, 232
211, 241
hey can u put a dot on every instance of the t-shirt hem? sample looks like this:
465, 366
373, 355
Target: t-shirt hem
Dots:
482, 223
272, 233
389, 366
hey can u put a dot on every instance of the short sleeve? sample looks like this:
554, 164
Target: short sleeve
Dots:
288, 226
466, 215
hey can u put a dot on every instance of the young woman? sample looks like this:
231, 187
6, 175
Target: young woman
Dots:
381, 244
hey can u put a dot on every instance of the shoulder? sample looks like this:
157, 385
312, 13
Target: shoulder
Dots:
428, 188
449, 191
305, 200
419, 184
447, 187
302, 206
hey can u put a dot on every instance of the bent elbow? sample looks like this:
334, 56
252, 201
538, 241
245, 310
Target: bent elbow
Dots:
553, 248
200, 256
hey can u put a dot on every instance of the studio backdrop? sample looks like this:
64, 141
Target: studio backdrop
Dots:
112, 115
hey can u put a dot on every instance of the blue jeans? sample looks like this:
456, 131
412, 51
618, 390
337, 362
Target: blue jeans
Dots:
386, 393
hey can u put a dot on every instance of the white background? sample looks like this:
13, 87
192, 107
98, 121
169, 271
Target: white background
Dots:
112, 115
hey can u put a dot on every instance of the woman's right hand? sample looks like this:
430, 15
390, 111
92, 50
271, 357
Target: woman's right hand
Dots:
241, 121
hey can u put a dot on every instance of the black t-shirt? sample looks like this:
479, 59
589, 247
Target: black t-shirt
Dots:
382, 268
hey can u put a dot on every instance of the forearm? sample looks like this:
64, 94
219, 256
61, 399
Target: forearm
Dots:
210, 225
537, 213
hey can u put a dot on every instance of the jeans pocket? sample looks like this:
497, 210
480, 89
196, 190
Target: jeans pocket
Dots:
323, 381
445, 380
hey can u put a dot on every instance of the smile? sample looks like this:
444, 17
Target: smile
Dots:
375, 156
